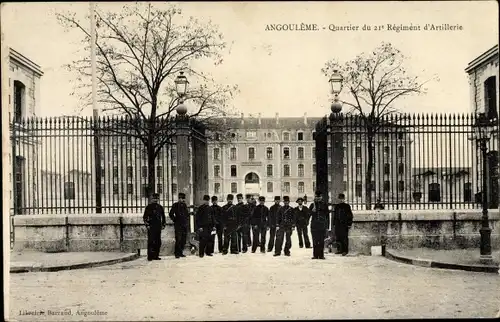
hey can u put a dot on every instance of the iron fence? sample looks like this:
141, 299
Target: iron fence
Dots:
416, 161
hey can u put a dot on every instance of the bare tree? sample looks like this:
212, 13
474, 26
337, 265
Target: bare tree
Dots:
375, 81
140, 50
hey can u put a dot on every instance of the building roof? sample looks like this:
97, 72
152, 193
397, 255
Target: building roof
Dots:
25, 61
481, 59
277, 122
443, 171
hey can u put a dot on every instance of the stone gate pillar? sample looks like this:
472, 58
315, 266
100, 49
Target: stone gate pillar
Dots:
321, 139
337, 157
183, 132
200, 163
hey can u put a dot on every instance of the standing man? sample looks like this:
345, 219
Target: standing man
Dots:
285, 223
251, 204
230, 227
205, 224
303, 215
259, 225
273, 213
342, 222
179, 214
218, 217
155, 220
243, 214
319, 225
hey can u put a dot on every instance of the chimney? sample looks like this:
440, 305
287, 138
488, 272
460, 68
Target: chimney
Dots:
259, 118
305, 118
277, 118
242, 120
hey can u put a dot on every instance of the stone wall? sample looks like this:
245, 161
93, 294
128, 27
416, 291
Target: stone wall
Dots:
439, 229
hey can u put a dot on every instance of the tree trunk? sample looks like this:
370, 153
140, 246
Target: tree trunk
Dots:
151, 169
369, 169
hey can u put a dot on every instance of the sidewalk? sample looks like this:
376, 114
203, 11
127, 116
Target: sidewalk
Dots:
462, 259
33, 261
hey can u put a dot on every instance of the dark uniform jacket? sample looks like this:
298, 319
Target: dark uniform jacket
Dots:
342, 216
320, 216
250, 209
286, 217
273, 214
204, 218
179, 214
302, 216
260, 216
242, 213
154, 216
230, 216
218, 215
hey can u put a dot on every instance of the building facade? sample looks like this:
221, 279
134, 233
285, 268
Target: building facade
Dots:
24, 102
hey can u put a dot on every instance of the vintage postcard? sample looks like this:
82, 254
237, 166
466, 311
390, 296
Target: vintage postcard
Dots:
177, 161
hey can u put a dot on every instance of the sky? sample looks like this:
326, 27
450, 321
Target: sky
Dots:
280, 71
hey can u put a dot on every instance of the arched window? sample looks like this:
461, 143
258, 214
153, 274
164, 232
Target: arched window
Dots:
490, 97
19, 97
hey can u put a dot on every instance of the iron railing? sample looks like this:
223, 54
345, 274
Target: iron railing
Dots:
418, 162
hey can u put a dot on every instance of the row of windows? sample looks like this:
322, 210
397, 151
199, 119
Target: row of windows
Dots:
144, 154
269, 187
129, 171
252, 135
69, 189
300, 170
300, 153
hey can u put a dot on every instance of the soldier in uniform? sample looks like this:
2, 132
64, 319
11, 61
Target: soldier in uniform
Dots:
179, 214
273, 212
342, 222
155, 220
230, 227
218, 217
319, 225
242, 213
204, 225
303, 215
259, 225
285, 222
251, 204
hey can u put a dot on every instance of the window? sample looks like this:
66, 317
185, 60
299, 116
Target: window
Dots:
401, 186
115, 171
358, 152
313, 152
174, 188
216, 152
301, 187
115, 188
234, 187
232, 154
233, 135
401, 151
269, 187
144, 171
159, 188
269, 170
286, 153
300, 170
216, 170
286, 187
174, 171
387, 186
19, 91
251, 134
69, 190
159, 171
251, 153
144, 190
216, 188
286, 136
130, 171
490, 97
300, 136
130, 188
269, 153
300, 153
387, 168
434, 192
233, 171
467, 192
401, 168
103, 172
359, 189
314, 169
286, 170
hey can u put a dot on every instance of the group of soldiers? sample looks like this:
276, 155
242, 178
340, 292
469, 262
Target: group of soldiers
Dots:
243, 225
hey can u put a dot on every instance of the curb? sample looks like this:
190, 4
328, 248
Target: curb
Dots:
39, 268
433, 264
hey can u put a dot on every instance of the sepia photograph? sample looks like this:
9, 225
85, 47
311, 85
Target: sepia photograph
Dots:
222, 161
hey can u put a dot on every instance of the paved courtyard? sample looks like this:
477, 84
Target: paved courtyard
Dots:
254, 286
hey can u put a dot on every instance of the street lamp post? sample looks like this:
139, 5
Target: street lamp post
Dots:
481, 131
337, 138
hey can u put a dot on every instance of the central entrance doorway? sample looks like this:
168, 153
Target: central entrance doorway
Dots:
252, 184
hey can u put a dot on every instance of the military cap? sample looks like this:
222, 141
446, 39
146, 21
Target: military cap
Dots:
286, 198
206, 197
277, 198
299, 199
317, 193
214, 198
230, 197
248, 196
181, 195
239, 195
341, 196
262, 198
